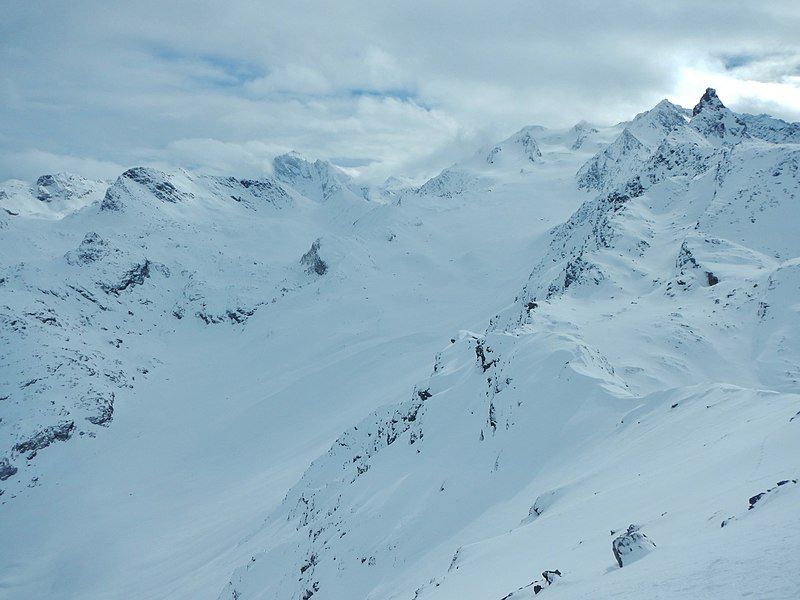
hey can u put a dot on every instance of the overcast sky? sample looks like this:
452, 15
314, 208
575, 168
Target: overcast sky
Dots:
402, 88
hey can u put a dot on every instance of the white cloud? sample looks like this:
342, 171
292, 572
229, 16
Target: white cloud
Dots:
30, 164
289, 79
408, 86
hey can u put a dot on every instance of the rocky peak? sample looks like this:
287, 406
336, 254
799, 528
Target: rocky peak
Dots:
709, 101
47, 187
319, 180
525, 140
713, 120
521, 146
61, 186
152, 182
291, 166
651, 126
664, 113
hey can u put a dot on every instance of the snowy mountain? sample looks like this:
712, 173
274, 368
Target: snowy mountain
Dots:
510, 159
568, 366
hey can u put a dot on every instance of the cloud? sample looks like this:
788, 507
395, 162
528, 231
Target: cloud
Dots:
30, 164
401, 88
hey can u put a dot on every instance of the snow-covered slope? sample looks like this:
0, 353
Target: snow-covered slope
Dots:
575, 352
638, 379
515, 160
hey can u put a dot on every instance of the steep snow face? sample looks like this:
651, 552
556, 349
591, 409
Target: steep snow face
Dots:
644, 383
319, 180
627, 153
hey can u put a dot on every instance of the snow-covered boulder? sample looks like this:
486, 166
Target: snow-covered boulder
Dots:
631, 546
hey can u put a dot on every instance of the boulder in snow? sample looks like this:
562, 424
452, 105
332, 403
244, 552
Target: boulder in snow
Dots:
631, 546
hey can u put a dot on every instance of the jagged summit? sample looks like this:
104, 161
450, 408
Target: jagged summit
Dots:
319, 180
715, 122
709, 101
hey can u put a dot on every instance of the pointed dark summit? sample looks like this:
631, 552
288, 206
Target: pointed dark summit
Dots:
709, 99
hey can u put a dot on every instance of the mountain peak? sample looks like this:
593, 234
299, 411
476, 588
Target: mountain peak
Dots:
715, 122
710, 100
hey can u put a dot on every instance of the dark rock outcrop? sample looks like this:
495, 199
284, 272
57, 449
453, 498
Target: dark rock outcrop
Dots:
135, 276
105, 410
47, 187
714, 121
57, 433
92, 249
6, 469
758, 497
157, 183
312, 260
548, 578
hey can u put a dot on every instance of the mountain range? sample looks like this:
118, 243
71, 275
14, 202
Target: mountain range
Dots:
566, 366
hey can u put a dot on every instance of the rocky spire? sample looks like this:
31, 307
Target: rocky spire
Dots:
715, 122
709, 100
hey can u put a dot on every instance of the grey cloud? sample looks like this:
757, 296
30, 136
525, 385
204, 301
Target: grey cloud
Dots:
400, 86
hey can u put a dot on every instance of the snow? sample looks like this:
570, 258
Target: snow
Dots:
493, 376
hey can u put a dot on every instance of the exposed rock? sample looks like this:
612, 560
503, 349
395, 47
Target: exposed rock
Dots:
548, 578
156, 183
6, 469
112, 201
312, 260
771, 491
606, 168
771, 129
266, 189
92, 249
714, 121
252, 193
450, 182
57, 433
542, 503
135, 276
47, 187
631, 546
523, 142
238, 315
583, 131
319, 180
481, 352
105, 410
61, 186
709, 101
